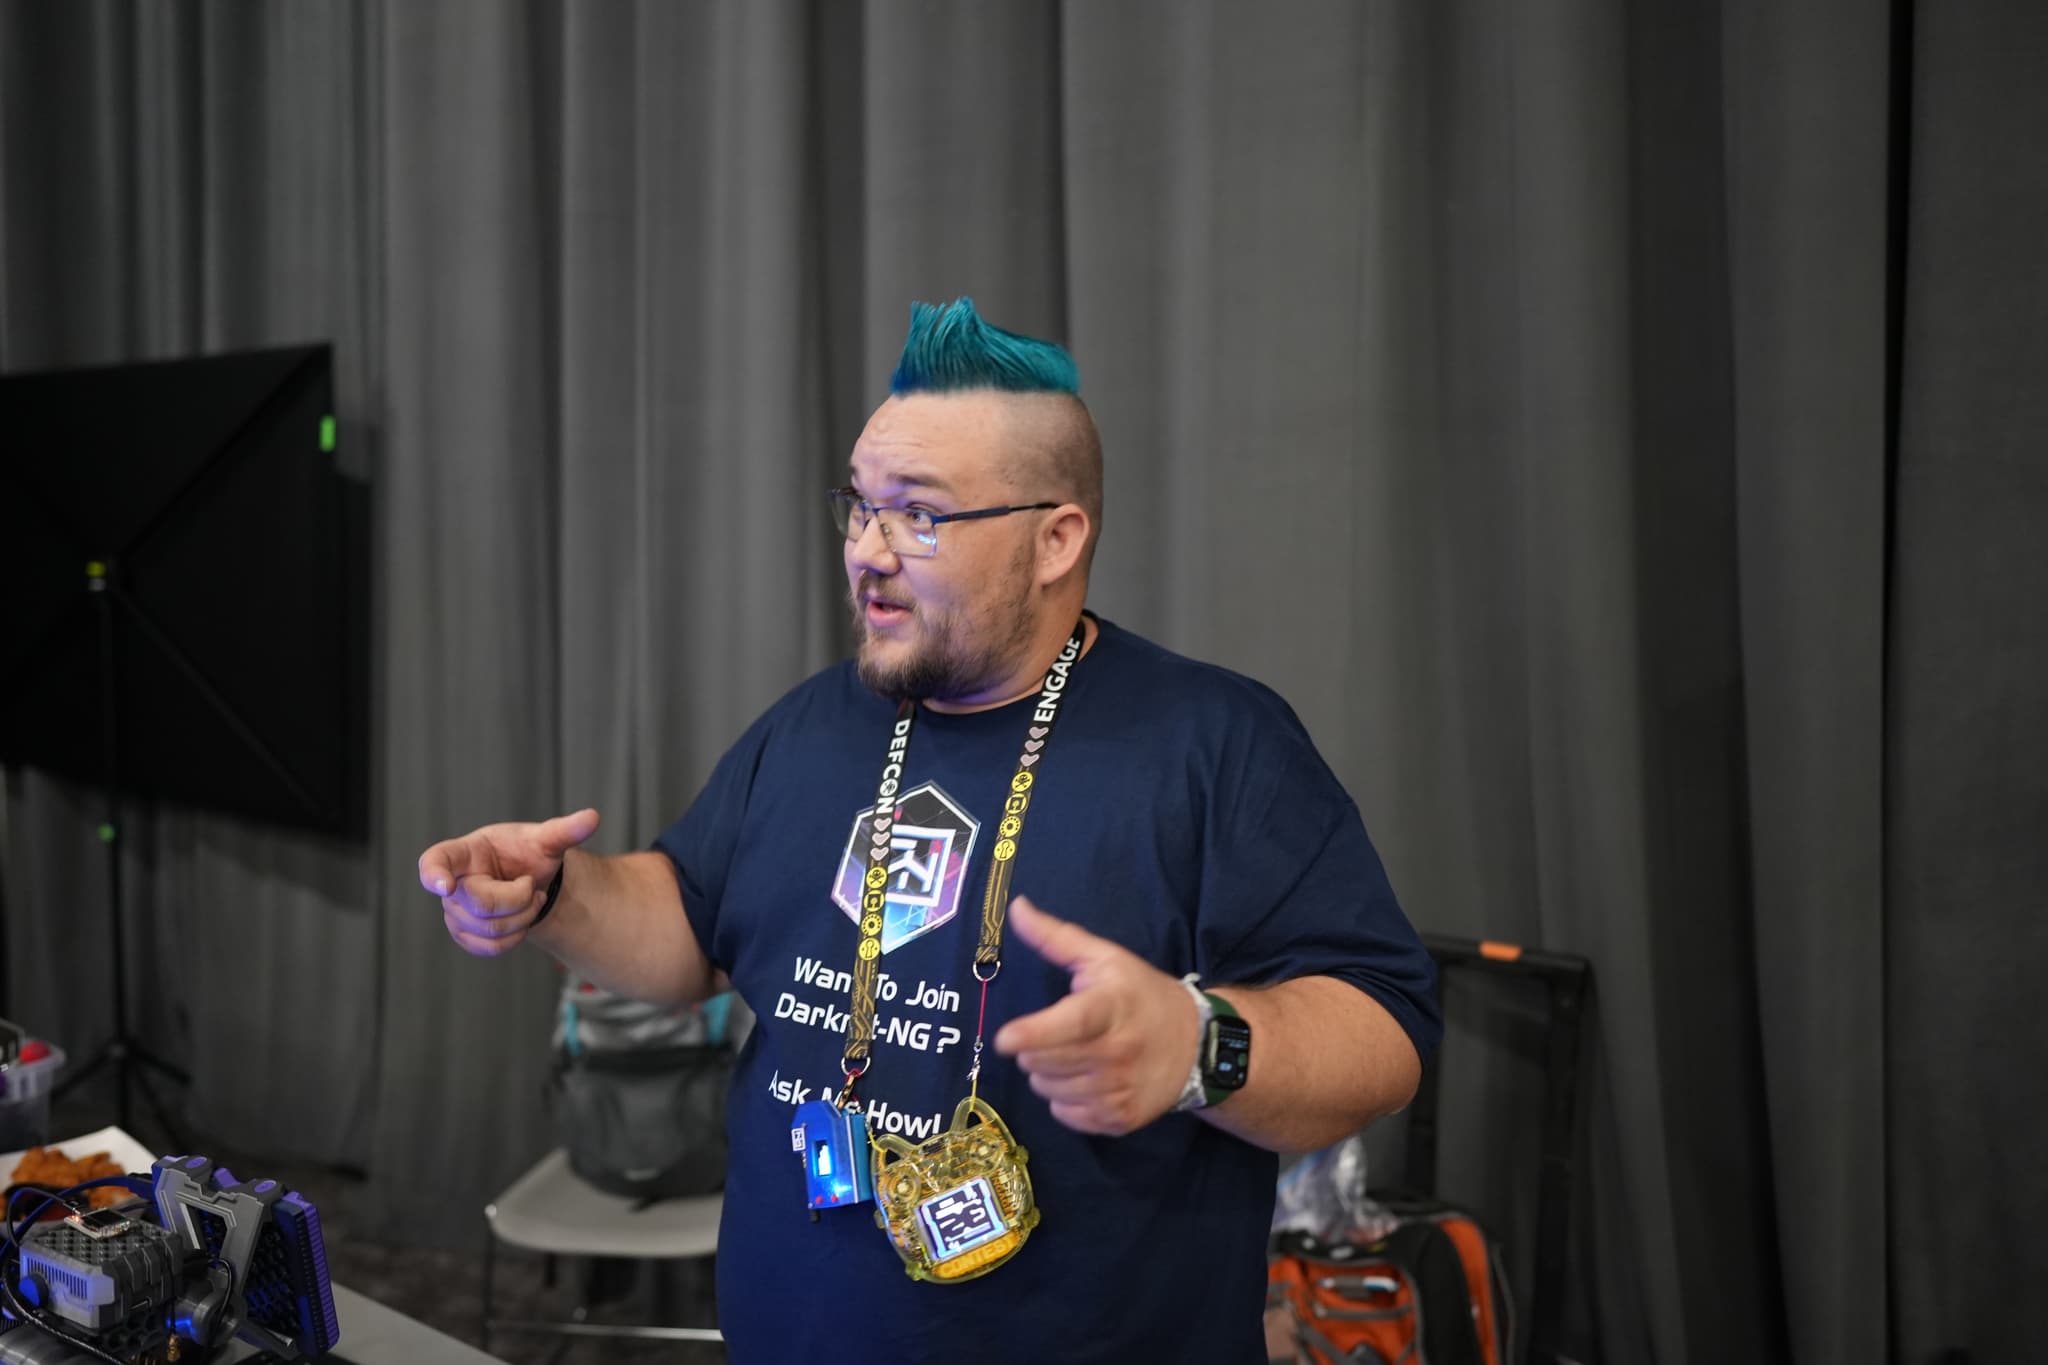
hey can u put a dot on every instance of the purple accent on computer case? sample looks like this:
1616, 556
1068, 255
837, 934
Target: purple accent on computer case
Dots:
299, 1220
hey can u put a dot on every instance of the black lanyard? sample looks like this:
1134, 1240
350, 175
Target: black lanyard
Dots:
860, 1020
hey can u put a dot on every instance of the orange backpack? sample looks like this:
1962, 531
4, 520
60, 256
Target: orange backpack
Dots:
1429, 1293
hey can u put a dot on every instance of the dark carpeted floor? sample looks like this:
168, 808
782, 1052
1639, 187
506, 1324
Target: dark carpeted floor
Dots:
444, 1289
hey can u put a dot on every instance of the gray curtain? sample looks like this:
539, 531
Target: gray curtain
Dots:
1966, 763
1575, 410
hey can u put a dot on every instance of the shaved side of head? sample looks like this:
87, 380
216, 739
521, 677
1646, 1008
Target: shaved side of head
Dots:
1055, 453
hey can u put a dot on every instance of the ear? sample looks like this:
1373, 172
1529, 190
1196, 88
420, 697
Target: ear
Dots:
1062, 537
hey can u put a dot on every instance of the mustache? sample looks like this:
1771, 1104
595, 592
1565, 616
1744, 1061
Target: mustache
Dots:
868, 586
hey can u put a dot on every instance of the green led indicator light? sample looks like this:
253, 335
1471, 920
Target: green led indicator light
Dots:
106, 834
327, 435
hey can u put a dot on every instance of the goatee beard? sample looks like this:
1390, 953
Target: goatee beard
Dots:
941, 668
916, 679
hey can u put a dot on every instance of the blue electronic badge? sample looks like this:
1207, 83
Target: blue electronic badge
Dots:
833, 1143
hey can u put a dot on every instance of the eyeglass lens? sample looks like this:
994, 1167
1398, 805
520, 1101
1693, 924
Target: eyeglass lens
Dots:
910, 531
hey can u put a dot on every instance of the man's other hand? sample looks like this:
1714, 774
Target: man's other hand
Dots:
492, 881
1114, 1054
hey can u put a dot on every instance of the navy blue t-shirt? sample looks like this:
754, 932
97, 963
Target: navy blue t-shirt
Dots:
1181, 811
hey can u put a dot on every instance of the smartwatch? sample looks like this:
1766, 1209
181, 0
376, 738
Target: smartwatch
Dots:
1223, 1059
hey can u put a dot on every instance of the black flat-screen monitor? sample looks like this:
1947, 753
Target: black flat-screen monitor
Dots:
186, 575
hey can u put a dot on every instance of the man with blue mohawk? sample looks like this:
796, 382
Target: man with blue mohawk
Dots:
966, 1128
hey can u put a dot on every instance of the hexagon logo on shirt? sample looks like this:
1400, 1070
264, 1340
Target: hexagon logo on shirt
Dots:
930, 843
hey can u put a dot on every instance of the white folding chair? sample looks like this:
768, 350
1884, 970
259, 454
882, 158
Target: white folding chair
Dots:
553, 1211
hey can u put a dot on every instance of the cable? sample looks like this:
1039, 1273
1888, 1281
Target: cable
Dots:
14, 1235
26, 1314
14, 1232
229, 1315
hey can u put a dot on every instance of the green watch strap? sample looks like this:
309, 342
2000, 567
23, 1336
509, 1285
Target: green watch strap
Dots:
1222, 1009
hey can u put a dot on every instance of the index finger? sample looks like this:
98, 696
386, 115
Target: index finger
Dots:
443, 864
1080, 1018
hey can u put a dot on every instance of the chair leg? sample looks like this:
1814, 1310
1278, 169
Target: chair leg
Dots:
490, 1265
586, 1285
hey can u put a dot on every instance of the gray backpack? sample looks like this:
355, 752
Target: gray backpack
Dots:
638, 1092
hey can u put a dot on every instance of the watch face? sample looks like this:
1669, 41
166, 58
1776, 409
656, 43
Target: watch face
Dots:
1230, 1054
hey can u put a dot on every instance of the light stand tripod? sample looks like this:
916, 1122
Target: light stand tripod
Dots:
130, 1059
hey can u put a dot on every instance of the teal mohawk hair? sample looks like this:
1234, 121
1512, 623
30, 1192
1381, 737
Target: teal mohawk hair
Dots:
951, 348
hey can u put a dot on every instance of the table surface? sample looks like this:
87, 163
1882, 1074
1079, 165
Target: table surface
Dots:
372, 1334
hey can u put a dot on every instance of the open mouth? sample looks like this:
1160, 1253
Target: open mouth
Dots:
884, 613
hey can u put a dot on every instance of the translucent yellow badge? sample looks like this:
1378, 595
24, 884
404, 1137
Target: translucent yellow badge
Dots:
960, 1205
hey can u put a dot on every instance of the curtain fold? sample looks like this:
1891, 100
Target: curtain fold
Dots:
1809, 180
467, 495
1506, 385
1966, 752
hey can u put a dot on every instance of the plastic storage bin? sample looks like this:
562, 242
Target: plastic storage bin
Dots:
25, 1100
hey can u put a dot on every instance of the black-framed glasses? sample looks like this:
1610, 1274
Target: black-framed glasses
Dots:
909, 530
